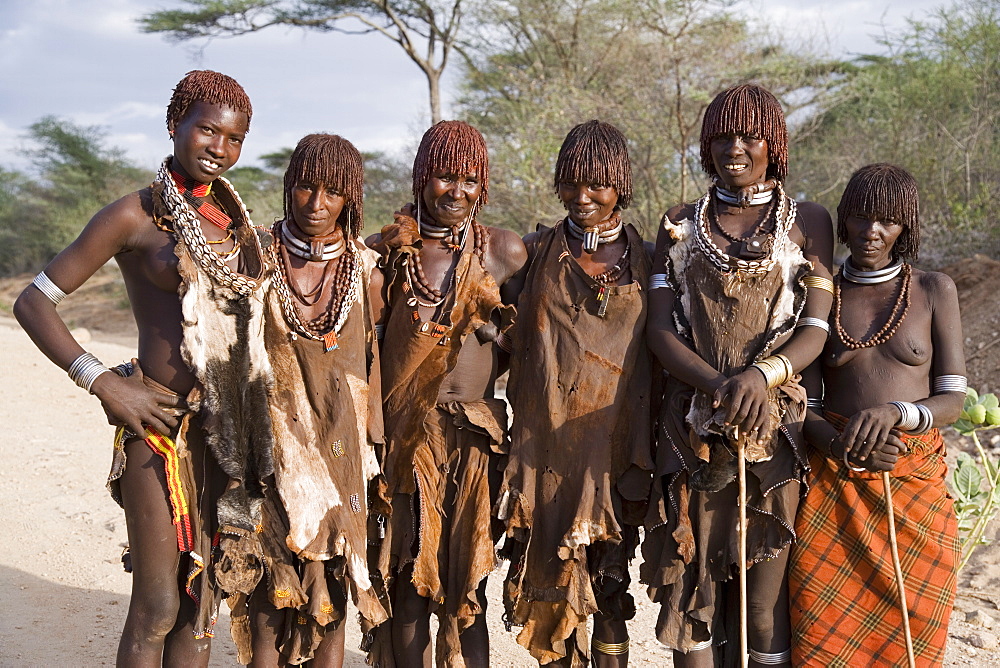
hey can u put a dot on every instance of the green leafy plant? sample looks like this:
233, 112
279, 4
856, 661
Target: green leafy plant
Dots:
976, 504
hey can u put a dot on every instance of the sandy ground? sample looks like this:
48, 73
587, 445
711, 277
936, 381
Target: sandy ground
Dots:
65, 595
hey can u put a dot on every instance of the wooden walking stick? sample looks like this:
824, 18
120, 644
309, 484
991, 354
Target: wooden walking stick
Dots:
899, 570
741, 457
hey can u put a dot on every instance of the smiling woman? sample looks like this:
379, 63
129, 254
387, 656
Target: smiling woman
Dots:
738, 306
193, 441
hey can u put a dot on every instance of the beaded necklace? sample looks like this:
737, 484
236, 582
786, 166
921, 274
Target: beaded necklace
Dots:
187, 228
346, 285
755, 243
896, 317
784, 219
426, 294
610, 277
197, 193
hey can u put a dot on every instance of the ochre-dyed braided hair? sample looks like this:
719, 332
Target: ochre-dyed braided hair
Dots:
596, 152
747, 109
456, 147
333, 162
206, 86
885, 191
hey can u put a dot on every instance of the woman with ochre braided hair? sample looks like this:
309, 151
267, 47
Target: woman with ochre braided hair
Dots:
448, 288
738, 306
195, 399
580, 461
892, 372
326, 411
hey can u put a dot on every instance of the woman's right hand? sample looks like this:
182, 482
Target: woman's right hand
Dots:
745, 398
129, 402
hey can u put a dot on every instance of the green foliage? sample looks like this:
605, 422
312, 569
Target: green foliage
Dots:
388, 182
976, 505
932, 106
648, 67
77, 176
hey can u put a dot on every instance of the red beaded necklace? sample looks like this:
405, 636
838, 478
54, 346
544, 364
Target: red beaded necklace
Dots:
196, 194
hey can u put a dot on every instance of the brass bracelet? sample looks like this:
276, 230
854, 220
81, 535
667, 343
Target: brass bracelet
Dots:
818, 282
609, 648
777, 369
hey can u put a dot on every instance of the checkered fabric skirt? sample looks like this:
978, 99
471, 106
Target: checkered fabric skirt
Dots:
844, 601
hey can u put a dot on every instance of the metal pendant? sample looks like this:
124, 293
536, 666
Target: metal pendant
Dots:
753, 248
603, 297
590, 239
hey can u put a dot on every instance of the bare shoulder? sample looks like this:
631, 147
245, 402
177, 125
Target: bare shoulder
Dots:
507, 250
136, 208
937, 285
124, 224
815, 218
373, 239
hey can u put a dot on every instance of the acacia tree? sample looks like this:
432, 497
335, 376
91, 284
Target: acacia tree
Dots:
427, 31
648, 66
74, 176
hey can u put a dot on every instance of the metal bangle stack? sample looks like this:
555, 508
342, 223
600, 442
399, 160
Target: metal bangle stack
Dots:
913, 418
777, 369
85, 369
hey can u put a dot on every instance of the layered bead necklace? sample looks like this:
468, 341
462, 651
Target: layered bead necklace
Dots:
425, 294
755, 244
784, 218
197, 195
187, 228
346, 284
899, 309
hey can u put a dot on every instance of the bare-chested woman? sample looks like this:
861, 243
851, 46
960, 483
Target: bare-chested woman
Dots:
892, 371
731, 321
448, 281
187, 232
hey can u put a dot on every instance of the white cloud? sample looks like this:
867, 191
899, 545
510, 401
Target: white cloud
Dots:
88, 62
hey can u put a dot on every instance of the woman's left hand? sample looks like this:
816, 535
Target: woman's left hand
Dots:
869, 429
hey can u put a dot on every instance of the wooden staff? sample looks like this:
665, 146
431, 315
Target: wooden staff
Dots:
741, 457
899, 570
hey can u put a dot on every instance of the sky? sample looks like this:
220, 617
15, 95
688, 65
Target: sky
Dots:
88, 62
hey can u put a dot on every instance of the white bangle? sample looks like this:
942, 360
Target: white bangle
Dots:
48, 288
85, 369
813, 322
657, 281
771, 658
909, 415
950, 383
926, 420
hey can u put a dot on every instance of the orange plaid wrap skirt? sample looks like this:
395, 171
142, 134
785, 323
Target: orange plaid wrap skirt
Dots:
842, 586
